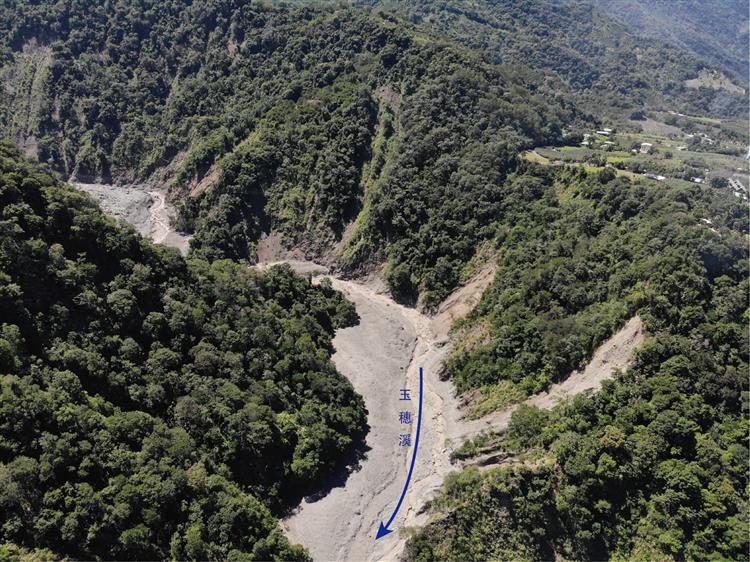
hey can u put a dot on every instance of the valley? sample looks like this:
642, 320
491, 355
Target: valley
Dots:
380, 355
277, 215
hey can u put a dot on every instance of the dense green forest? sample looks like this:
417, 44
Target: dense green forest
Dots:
655, 466
361, 138
295, 120
153, 407
608, 67
578, 255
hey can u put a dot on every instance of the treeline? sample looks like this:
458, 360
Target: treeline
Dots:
655, 466
153, 407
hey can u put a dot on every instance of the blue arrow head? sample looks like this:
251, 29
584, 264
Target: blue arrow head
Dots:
382, 531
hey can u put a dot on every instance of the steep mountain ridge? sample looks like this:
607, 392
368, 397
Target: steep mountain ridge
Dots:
716, 30
639, 470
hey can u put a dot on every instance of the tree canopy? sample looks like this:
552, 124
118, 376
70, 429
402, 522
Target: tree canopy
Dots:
654, 466
153, 407
301, 121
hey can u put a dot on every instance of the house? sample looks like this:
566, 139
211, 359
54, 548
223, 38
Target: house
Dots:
608, 143
683, 147
604, 132
696, 180
736, 185
646, 147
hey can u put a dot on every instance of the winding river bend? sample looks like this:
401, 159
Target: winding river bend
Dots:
380, 356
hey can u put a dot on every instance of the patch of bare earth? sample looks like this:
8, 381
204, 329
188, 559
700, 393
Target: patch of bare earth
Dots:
206, 183
653, 127
714, 80
21, 82
143, 206
615, 354
389, 97
462, 301
271, 250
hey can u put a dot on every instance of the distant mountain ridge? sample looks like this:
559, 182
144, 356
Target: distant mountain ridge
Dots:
716, 30
585, 44
357, 137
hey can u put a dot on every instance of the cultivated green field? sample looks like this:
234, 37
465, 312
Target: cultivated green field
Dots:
683, 149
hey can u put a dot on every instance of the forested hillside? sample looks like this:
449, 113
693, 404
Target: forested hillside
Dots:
716, 30
578, 255
152, 407
656, 465
288, 120
608, 67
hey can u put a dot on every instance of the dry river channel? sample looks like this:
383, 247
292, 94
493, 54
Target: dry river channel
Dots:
382, 355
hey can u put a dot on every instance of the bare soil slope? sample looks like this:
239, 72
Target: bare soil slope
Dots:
615, 354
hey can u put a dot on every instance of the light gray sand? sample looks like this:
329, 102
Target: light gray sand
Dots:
143, 206
381, 355
392, 339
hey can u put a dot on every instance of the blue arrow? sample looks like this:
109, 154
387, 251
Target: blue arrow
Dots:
383, 530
